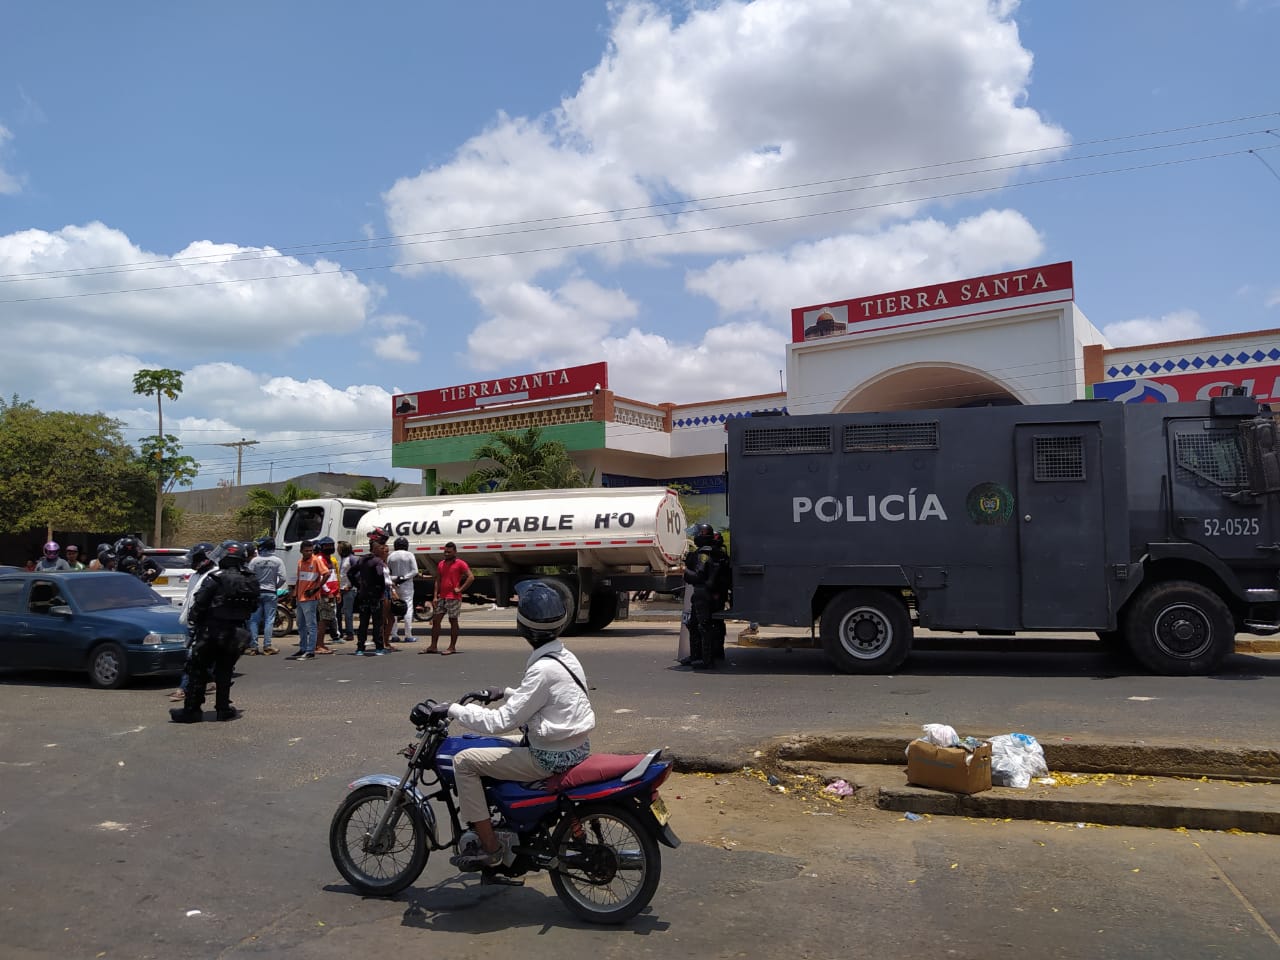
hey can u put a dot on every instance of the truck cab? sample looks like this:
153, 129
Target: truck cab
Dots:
335, 517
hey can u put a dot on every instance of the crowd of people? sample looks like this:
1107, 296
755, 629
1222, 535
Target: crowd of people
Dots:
126, 555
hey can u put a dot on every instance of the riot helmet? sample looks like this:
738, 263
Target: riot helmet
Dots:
230, 553
702, 534
541, 613
199, 554
128, 547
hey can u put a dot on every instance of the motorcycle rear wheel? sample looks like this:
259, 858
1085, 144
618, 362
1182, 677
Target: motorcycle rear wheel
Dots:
401, 856
611, 872
283, 625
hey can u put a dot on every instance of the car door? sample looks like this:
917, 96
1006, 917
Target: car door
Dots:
51, 639
12, 621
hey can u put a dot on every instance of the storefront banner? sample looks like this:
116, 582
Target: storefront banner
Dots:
543, 385
1261, 382
886, 310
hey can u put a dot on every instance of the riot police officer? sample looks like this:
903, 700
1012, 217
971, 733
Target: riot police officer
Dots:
708, 574
219, 611
130, 558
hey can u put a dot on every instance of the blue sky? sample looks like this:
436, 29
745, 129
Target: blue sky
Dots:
150, 152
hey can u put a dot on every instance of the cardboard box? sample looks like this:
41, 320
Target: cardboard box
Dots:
949, 768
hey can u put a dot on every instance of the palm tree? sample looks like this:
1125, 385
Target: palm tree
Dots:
368, 490
525, 461
264, 507
473, 482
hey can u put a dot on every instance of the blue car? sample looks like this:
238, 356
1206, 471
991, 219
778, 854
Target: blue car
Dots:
109, 625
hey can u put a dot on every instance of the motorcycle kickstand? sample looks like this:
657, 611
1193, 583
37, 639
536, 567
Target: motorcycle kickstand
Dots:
489, 877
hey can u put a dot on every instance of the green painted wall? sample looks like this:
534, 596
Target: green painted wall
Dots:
429, 453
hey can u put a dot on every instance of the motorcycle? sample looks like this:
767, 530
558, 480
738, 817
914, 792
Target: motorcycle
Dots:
596, 829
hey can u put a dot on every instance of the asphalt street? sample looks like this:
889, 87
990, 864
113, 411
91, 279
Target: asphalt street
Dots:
117, 825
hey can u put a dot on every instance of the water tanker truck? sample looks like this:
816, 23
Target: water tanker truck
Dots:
593, 543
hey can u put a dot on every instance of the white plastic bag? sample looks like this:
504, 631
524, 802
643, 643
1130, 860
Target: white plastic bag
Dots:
1015, 759
940, 735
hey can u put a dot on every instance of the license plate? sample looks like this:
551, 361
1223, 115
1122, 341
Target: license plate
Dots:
164, 581
659, 811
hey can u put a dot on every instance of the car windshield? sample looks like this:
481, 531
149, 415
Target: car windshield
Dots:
110, 592
170, 561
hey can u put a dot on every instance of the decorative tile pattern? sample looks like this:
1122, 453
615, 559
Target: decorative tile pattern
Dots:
686, 422
1212, 360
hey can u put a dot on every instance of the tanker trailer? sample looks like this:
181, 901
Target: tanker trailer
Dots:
591, 542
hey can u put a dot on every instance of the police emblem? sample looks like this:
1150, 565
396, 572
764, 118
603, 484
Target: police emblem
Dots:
989, 504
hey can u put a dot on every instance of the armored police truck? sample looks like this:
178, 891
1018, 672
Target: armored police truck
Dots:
1153, 525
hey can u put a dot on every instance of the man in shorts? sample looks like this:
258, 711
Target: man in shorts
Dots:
453, 579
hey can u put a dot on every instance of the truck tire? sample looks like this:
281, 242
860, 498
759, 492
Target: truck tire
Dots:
604, 610
569, 592
866, 631
1180, 629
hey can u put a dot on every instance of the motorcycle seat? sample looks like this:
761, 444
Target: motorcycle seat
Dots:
600, 767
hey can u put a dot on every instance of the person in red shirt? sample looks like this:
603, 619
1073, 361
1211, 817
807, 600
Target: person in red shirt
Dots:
453, 579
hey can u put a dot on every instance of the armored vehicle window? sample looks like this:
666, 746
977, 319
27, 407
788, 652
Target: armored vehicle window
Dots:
1059, 458
1211, 456
890, 436
765, 440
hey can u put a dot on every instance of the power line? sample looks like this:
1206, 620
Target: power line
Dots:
557, 248
381, 242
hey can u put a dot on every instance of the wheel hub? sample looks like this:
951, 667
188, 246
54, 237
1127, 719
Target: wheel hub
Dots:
865, 634
1183, 632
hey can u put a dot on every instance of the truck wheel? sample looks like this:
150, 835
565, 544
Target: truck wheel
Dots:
866, 631
604, 610
571, 604
1180, 629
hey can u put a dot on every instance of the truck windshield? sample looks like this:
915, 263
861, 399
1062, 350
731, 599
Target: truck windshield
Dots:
1213, 457
305, 524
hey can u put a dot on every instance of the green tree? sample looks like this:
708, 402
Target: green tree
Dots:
164, 460
368, 490
525, 461
72, 471
159, 383
265, 508
473, 482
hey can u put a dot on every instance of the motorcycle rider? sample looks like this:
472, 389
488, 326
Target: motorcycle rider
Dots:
707, 572
551, 705
51, 562
131, 559
219, 611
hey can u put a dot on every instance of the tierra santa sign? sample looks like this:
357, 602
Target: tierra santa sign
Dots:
886, 310
542, 385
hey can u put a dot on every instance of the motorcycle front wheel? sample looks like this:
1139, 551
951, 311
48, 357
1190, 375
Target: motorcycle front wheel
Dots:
610, 870
283, 624
390, 865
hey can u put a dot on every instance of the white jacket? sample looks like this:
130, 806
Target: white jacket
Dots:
557, 711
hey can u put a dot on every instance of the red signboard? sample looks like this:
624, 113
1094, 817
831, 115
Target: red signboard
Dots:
1262, 382
543, 385
884, 310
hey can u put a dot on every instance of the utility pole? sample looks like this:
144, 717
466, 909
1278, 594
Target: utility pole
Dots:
239, 445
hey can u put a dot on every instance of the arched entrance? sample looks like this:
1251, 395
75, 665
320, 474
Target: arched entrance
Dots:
928, 386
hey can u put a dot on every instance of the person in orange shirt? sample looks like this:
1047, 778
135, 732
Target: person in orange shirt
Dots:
313, 571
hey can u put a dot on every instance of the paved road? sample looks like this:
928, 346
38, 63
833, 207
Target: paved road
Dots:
115, 824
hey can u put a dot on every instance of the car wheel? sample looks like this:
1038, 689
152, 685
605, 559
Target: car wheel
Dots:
107, 667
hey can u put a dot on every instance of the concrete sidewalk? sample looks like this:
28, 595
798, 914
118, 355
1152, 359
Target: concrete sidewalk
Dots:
1128, 784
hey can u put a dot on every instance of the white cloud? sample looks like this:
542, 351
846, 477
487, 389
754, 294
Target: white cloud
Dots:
1274, 299
734, 99
9, 184
849, 265
395, 346
207, 292
1178, 325
738, 98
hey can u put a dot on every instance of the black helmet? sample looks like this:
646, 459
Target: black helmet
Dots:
198, 554
230, 553
128, 547
702, 534
402, 543
541, 613
266, 543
